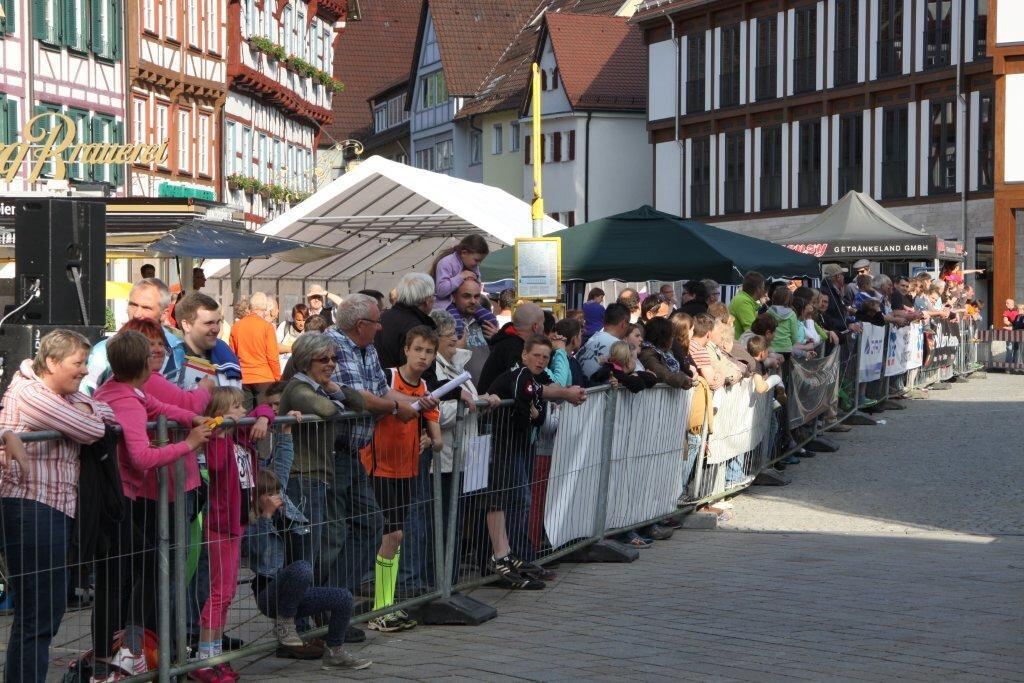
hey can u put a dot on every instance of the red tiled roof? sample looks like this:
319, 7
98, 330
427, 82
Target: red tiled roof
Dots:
602, 61
371, 55
473, 34
503, 87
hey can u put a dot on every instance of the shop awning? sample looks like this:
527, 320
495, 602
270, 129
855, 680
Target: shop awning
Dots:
389, 219
858, 227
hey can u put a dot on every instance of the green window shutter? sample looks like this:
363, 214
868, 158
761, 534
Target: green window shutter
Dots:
40, 27
117, 137
114, 13
8, 23
97, 126
5, 126
74, 34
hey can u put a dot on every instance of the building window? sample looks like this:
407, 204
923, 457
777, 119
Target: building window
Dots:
83, 127
139, 124
734, 172
771, 167
47, 123
846, 53
805, 53
443, 156
380, 118
986, 140
193, 23
148, 16
890, 37
104, 129
7, 21
938, 18
571, 146
569, 218
203, 141
942, 148
696, 67
981, 28
184, 138
851, 153
729, 81
171, 18
894, 153
700, 177
767, 60
513, 136
46, 21
434, 90
497, 138
556, 147
476, 143
527, 151
212, 26
161, 126
809, 164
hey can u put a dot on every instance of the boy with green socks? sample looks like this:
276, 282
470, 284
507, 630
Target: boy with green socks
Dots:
392, 461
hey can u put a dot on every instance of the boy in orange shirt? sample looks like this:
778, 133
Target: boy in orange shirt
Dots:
392, 461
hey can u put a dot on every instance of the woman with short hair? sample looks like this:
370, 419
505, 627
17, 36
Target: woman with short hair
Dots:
39, 491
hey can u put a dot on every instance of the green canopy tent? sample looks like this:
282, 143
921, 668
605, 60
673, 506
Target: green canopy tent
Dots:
646, 244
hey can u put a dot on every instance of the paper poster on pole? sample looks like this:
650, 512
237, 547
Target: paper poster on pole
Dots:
538, 267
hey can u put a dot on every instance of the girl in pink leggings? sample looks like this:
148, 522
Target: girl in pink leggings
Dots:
232, 466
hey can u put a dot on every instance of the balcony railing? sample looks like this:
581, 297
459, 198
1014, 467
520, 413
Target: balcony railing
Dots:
809, 188
771, 192
767, 82
850, 178
695, 94
734, 196
805, 74
894, 179
846, 65
700, 199
729, 93
890, 58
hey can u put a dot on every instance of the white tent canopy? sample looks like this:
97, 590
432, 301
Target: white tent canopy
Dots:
388, 219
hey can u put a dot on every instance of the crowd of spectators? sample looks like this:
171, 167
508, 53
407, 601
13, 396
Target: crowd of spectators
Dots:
322, 510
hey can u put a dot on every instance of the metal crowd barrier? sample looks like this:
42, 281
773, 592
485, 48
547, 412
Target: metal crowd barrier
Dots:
989, 355
619, 461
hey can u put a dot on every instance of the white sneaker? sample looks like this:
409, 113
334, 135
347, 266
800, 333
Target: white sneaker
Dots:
129, 662
286, 634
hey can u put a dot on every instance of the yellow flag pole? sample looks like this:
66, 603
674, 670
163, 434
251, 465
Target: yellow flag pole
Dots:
536, 152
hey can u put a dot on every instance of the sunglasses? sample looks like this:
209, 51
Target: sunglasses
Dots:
325, 360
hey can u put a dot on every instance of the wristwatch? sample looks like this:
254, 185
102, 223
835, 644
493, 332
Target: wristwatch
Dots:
395, 411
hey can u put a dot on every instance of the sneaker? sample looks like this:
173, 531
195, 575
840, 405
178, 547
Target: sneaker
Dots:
337, 658
658, 532
632, 538
387, 623
531, 569
407, 621
513, 578
671, 523
128, 662
308, 651
791, 460
284, 631
103, 672
840, 428
210, 674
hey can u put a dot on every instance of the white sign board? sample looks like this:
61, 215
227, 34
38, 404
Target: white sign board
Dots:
538, 270
1013, 138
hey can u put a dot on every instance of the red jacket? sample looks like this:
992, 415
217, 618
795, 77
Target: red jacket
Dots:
136, 456
226, 504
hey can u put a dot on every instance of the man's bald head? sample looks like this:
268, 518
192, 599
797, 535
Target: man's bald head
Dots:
528, 319
467, 297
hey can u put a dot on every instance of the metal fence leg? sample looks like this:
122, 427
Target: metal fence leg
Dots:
451, 609
163, 566
181, 537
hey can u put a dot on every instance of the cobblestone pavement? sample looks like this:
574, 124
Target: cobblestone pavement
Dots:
899, 557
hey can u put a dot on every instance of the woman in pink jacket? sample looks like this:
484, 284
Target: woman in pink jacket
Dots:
129, 355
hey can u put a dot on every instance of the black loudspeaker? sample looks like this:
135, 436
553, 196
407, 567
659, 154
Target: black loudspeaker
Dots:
18, 342
54, 240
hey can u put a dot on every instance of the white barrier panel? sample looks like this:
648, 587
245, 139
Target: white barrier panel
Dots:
872, 343
575, 470
648, 447
741, 421
906, 349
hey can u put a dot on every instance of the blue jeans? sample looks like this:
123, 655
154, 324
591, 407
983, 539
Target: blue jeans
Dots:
693, 446
310, 496
734, 469
36, 538
415, 570
353, 527
291, 594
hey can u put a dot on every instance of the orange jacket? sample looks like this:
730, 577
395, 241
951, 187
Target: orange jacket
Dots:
254, 341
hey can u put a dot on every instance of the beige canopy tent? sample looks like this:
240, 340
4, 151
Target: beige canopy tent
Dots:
386, 219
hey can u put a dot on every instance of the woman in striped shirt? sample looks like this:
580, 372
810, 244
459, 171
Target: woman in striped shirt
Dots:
39, 491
